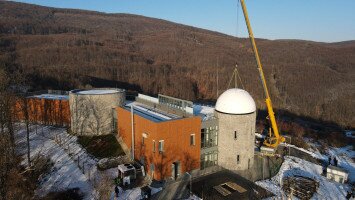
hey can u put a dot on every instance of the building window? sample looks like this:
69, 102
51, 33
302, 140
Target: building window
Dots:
161, 145
153, 146
144, 136
235, 135
114, 126
238, 159
209, 137
192, 140
209, 159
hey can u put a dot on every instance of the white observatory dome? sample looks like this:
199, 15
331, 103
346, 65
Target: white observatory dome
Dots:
235, 101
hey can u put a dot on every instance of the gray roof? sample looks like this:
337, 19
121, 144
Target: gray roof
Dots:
337, 168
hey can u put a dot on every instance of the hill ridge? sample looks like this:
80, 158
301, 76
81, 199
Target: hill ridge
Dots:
61, 49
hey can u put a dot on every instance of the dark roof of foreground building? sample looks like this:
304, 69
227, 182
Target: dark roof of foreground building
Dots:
227, 185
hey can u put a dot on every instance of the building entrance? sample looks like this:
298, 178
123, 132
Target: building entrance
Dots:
175, 170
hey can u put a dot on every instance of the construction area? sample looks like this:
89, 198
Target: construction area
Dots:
187, 149
218, 152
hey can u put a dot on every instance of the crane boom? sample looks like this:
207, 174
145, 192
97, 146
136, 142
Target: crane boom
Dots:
275, 139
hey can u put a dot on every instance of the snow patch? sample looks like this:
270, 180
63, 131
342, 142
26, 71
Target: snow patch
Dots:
296, 166
97, 92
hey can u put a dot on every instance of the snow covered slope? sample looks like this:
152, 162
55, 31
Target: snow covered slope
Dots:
295, 166
65, 173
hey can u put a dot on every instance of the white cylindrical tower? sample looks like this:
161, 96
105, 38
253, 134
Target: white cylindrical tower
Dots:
91, 110
236, 113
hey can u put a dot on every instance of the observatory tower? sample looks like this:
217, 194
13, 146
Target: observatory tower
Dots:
236, 113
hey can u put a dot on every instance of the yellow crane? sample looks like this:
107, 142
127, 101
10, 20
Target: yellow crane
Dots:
273, 139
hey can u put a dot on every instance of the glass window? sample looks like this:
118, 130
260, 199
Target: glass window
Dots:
209, 137
192, 140
153, 145
161, 145
209, 159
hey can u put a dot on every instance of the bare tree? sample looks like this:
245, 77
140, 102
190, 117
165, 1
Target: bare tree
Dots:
104, 187
25, 113
8, 164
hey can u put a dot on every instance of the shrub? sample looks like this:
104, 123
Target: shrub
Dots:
336, 139
299, 142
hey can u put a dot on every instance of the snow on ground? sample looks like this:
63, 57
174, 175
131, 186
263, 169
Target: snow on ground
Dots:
193, 197
345, 157
350, 134
258, 135
296, 166
64, 151
314, 152
52, 96
65, 173
132, 194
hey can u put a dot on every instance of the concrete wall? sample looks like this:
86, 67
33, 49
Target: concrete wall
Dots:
229, 148
91, 114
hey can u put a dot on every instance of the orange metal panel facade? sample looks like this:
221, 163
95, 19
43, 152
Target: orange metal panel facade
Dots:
45, 111
176, 136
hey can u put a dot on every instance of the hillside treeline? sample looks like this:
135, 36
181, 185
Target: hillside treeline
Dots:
66, 49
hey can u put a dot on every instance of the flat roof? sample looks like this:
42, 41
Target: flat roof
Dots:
51, 96
205, 112
227, 185
337, 168
96, 91
150, 113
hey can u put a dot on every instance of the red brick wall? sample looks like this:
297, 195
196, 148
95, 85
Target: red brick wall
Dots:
176, 136
44, 111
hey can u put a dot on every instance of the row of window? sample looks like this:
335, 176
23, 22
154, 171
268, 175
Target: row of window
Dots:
161, 142
209, 137
209, 159
160, 145
236, 134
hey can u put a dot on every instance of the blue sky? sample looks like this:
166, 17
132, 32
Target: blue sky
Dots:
317, 20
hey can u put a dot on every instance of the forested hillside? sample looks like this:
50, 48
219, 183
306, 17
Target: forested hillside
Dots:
66, 49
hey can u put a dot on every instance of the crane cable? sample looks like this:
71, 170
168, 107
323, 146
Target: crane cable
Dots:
235, 72
235, 75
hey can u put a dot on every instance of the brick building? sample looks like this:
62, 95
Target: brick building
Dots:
44, 108
169, 136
